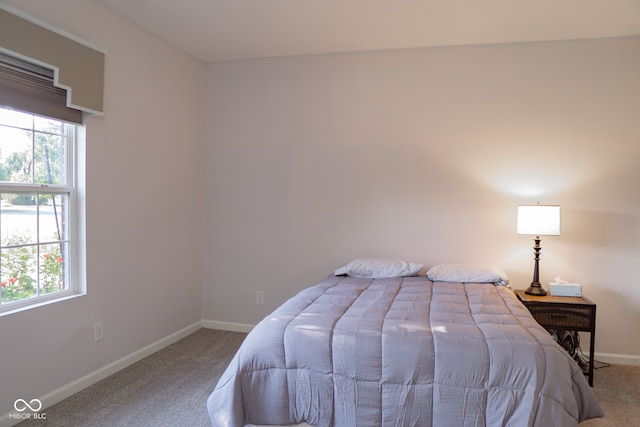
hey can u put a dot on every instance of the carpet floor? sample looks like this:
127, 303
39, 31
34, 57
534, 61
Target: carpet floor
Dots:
170, 388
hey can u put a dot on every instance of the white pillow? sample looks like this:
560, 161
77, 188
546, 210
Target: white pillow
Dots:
379, 267
467, 273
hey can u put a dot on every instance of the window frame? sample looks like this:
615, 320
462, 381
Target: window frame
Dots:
75, 191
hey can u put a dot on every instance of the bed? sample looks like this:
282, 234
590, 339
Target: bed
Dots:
442, 349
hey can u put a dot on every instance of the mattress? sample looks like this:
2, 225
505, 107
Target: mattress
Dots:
401, 351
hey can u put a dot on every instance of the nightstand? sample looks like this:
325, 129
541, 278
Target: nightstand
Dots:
564, 313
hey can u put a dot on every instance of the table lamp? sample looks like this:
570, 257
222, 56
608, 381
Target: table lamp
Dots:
538, 220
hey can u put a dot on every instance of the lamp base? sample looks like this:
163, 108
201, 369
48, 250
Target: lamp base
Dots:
535, 289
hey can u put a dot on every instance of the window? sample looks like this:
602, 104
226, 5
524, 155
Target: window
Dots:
49, 83
38, 241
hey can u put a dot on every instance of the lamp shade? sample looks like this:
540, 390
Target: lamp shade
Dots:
539, 220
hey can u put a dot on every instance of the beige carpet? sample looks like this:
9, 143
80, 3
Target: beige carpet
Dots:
170, 388
617, 388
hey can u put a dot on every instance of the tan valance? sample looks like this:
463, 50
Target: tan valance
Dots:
77, 68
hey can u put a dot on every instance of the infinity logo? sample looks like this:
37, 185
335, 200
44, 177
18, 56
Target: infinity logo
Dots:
21, 405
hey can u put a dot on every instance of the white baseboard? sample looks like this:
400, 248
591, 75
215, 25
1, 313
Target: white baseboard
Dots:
74, 387
618, 359
227, 326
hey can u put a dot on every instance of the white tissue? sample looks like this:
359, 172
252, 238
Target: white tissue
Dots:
560, 287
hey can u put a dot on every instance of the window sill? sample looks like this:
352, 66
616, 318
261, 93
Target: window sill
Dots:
43, 302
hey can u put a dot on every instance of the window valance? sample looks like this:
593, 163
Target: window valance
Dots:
77, 68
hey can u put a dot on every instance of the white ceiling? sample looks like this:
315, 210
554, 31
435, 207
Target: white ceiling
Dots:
220, 30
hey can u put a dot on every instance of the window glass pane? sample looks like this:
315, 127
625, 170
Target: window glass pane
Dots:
19, 273
52, 276
49, 159
18, 218
15, 118
15, 155
53, 217
44, 124
33, 152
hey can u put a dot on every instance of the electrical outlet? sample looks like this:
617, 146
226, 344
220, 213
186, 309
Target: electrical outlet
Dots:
98, 332
259, 297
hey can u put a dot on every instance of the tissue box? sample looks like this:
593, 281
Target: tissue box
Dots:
565, 289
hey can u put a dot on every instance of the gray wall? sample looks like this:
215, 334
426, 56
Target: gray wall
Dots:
426, 154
